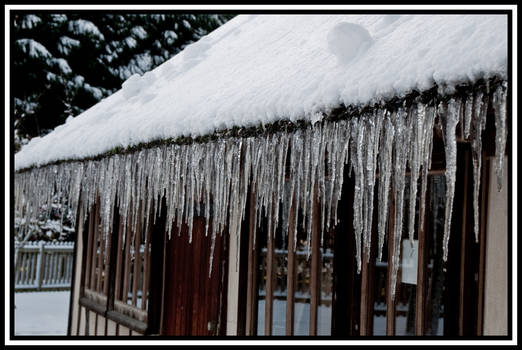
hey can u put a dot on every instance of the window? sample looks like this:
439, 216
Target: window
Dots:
291, 294
117, 270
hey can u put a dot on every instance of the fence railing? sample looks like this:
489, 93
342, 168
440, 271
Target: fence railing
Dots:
44, 266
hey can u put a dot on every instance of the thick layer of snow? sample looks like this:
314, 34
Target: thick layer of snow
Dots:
41, 313
257, 69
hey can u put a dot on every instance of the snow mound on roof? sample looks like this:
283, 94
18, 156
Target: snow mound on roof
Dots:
258, 69
348, 40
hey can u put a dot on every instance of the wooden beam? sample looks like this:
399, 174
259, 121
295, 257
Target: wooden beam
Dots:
463, 250
146, 267
316, 260
251, 315
270, 246
126, 260
94, 244
421, 270
390, 302
136, 266
482, 240
290, 280
119, 258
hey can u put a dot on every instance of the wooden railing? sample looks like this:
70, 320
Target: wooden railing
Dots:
44, 266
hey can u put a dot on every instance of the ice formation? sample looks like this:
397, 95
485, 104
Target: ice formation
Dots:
281, 168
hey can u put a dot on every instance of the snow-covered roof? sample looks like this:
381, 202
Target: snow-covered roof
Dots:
257, 69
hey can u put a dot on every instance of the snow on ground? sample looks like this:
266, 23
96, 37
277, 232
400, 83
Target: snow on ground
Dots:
257, 69
41, 313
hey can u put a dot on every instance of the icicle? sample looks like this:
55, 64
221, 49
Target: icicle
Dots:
429, 116
357, 164
479, 124
417, 124
450, 146
400, 157
385, 171
499, 105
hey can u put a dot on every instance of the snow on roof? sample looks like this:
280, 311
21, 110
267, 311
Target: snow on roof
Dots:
257, 69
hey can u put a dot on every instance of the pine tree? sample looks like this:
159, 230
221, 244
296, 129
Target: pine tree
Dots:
66, 63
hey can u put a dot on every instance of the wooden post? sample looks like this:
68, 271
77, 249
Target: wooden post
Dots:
421, 273
269, 279
390, 302
315, 272
463, 249
290, 280
482, 260
251, 308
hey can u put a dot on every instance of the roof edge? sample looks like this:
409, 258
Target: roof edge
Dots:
436, 94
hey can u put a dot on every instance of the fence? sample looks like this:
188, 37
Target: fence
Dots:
44, 266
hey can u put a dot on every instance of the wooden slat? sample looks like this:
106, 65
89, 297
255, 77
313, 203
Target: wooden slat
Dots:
482, 240
270, 246
463, 250
390, 303
364, 331
136, 266
421, 271
95, 245
106, 279
316, 260
146, 267
119, 258
290, 280
126, 260
251, 316
100, 261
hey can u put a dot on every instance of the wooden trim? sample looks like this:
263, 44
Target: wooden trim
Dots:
269, 278
390, 302
484, 183
107, 278
421, 270
100, 267
91, 305
146, 268
290, 280
129, 322
364, 314
163, 272
136, 265
119, 258
126, 271
463, 250
94, 244
315, 272
251, 306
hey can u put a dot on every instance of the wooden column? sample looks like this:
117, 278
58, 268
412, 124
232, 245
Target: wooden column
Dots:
290, 280
315, 271
482, 240
390, 302
463, 250
421, 271
270, 246
251, 307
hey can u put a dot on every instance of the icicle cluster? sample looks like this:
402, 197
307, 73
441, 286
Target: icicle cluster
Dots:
282, 169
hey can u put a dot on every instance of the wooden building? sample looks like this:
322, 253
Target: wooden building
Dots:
302, 227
